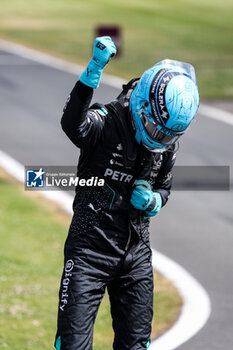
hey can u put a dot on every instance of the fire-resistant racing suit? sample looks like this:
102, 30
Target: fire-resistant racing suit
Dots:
108, 243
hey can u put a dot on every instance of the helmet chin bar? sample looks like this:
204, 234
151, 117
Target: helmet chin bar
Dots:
166, 148
151, 149
154, 150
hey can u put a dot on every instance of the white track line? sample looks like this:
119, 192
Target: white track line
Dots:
216, 113
196, 308
16, 170
110, 80
55, 62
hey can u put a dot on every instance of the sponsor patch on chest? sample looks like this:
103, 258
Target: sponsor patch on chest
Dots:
117, 175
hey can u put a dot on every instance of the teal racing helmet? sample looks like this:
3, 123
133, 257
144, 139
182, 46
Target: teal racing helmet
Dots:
163, 104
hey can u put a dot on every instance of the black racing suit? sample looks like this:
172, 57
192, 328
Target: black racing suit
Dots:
108, 242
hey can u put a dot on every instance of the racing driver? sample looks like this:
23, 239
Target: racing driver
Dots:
131, 144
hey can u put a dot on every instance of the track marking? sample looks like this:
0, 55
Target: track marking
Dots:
216, 113
196, 309
110, 80
55, 62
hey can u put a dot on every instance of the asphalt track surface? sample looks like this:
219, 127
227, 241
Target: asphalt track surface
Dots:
195, 228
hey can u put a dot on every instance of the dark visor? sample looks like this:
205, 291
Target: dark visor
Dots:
157, 135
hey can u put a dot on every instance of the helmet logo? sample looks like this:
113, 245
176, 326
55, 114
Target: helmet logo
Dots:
178, 127
157, 94
153, 92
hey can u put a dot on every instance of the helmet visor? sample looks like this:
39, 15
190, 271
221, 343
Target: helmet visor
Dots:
187, 67
164, 136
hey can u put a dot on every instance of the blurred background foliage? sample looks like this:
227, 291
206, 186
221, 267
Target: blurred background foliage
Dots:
196, 31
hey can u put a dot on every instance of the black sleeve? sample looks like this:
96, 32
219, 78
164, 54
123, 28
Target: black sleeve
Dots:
164, 179
82, 125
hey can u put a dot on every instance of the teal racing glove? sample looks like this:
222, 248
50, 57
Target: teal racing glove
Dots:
104, 49
143, 198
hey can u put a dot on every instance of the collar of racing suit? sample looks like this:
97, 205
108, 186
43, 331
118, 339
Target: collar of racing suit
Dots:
120, 108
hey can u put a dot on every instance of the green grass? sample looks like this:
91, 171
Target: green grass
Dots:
196, 31
32, 234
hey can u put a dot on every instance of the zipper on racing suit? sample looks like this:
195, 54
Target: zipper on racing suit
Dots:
129, 238
141, 236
